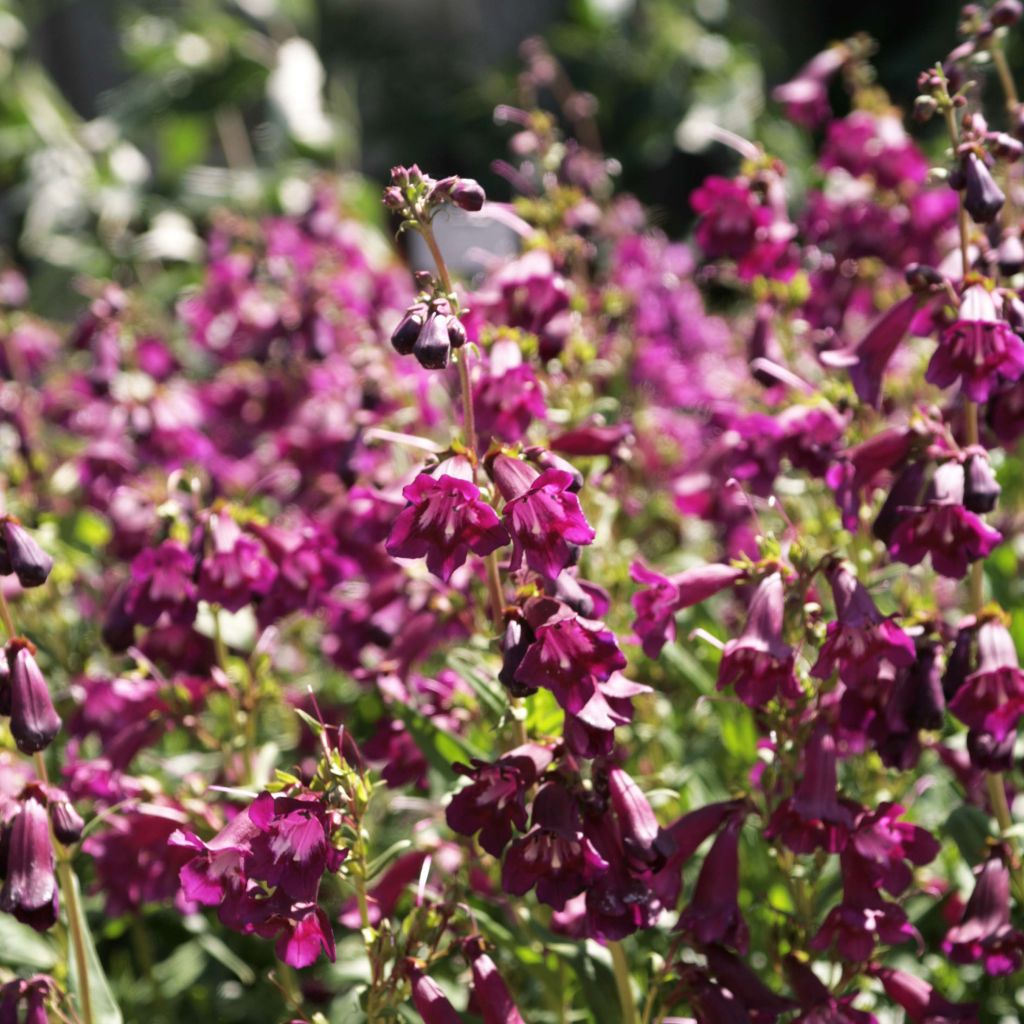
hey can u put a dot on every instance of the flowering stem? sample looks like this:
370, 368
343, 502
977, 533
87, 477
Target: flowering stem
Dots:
620, 965
1005, 77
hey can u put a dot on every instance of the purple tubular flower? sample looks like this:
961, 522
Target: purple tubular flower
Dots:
745, 985
495, 802
430, 1001
817, 1002
237, 570
813, 818
943, 528
984, 932
468, 194
30, 886
861, 636
645, 843
981, 491
34, 722
883, 844
162, 582
544, 520
445, 519
21, 555
805, 96
590, 732
514, 645
758, 663
657, 607
713, 913
983, 198
491, 993
991, 698
980, 348
921, 1002
569, 656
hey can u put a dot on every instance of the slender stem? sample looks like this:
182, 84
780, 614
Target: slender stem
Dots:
620, 966
5, 616
1005, 77
962, 224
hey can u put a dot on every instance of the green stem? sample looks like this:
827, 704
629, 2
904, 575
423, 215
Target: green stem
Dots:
1005, 76
620, 965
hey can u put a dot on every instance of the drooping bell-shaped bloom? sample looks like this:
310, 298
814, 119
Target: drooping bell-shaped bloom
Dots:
590, 732
656, 607
991, 698
805, 95
713, 913
980, 348
490, 993
984, 933
162, 581
981, 489
445, 519
21, 554
495, 801
542, 514
237, 569
430, 1001
942, 527
983, 198
813, 818
861, 636
923, 1005
30, 885
644, 842
34, 721
759, 663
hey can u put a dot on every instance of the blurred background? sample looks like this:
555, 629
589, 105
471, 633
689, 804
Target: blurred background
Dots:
123, 122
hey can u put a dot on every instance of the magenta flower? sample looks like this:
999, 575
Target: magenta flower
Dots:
943, 528
731, 218
713, 913
861, 636
445, 519
758, 663
430, 1001
542, 514
984, 933
569, 655
507, 398
980, 348
883, 845
656, 608
34, 722
30, 885
805, 96
236, 569
590, 732
490, 993
991, 698
923, 1005
162, 581
495, 802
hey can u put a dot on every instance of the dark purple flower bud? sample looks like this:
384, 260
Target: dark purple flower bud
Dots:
490, 993
547, 459
514, 645
991, 698
67, 822
456, 332
762, 344
23, 556
1010, 254
984, 933
1004, 13
468, 194
403, 337
958, 663
988, 754
905, 493
430, 1001
758, 663
445, 519
34, 722
980, 349
922, 1003
118, 630
30, 887
981, 491
713, 913
433, 346
983, 198
394, 198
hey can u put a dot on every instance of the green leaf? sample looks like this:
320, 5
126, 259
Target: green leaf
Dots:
379, 863
20, 946
104, 1007
220, 952
441, 749
969, 828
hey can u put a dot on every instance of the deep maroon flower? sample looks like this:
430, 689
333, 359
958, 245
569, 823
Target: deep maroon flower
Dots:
980, 348
731, 218
33, 992
984, 933
729, 970
981, 490
713, 913
430, 1001
490, 993
22, 555
645, 844
922, 1003
569, 655
758, 663
991, 698
542, 514
34, 722
590, 732
495, 802
805, 96
861, 636
555, 855
162, 581
507, 398
943, 528
30, 885
818, 1004
657, 607
883, 845
445, 519
813, 818
236, 569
